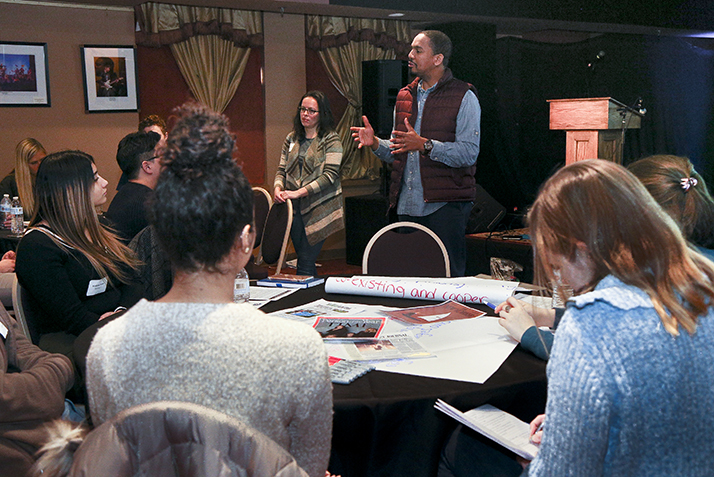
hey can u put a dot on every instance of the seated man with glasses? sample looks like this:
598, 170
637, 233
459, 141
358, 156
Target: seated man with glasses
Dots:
138, 156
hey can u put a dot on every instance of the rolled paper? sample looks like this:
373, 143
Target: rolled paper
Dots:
462, 289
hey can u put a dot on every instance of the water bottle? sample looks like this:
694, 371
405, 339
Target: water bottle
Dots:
241, 289
18, 217
5, 210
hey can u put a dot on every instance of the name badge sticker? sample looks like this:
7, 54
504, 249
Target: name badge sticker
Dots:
97, 286
3, 330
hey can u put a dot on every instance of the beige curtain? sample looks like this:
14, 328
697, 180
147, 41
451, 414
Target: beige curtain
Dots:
343, 43
211, 45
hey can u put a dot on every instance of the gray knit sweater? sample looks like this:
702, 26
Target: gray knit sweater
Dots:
625, 398
269, 372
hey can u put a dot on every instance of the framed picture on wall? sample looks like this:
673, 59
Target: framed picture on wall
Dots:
24, 77
109, 79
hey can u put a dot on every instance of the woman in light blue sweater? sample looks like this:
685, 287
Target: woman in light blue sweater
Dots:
630, 375
679, 190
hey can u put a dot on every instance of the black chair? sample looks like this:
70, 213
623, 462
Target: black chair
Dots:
406, 249
262, 202
155, 272
276, 234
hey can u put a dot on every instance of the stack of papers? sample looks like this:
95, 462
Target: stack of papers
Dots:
497, 425
467, 349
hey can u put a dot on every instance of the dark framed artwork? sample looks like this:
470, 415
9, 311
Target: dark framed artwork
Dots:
24, 76
109, 79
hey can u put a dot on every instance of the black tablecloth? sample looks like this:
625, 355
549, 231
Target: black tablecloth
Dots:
385, 423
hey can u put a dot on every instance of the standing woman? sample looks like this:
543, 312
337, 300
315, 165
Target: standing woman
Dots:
21, 181
309, 175
75, 271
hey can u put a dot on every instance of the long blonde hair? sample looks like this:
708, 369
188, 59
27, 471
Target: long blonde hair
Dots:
626, 233
24, 152
63, 197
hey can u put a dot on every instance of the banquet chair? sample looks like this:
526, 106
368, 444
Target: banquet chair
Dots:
25, 312
262, 202
167, 439
155, 272
276, 234
406, 249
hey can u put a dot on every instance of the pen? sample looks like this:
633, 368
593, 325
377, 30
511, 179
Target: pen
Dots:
489, 304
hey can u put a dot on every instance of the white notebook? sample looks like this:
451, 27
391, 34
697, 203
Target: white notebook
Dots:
497, 425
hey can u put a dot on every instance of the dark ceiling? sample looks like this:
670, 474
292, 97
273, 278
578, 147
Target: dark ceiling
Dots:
511, 17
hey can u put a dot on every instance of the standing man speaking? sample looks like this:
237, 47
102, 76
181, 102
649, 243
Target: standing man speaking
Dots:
434, 146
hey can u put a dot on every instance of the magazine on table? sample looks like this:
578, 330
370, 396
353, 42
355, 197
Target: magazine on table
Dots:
391, 346
448, 311
349, 329
499, 426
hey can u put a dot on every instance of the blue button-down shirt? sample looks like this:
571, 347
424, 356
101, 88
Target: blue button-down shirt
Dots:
461, 153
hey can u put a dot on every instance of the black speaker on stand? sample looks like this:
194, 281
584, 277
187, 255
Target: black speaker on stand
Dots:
381, 81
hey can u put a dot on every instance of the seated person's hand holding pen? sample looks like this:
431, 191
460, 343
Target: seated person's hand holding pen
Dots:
537, 428
517, 316
536, 436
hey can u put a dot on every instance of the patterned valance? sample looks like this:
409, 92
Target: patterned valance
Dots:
332, 32
163, 24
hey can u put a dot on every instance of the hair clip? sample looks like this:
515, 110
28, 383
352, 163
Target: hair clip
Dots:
688, 182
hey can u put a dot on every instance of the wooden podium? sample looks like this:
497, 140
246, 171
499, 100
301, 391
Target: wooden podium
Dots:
595, 127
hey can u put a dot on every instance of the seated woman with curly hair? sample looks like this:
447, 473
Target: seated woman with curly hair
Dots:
194, 344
